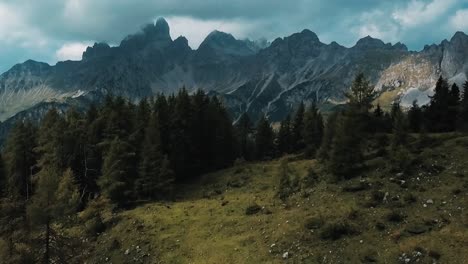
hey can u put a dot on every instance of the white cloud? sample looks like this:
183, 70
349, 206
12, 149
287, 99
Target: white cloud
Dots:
15, 31
71, 51
460, 20
375, 25
419, 12
196, 30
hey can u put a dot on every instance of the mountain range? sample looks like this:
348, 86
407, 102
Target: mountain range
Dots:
250, 76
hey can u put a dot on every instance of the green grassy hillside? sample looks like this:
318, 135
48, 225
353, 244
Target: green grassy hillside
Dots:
236, 216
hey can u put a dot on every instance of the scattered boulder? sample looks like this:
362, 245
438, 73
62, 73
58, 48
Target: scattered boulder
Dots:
417, 229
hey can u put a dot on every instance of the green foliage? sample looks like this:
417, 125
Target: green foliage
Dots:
361, 94
337, 229
346, 149
415, 117
298, 128
115, 181
313, 130
244, 130
20, 159
264, 139
55, 200
287, 186
284, 137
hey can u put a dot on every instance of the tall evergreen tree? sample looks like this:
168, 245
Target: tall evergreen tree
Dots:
20, 159
298, 128
244, 128
284, 137
313, 130
463, 117
346, 152
345, 155
115, 182
55, 199
415, 117
454, 107
361, 94
264, 139
155, 177
400, 130
3, 179
438, 111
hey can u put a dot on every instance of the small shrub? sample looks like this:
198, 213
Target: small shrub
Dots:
434, 254
410, 198
313, 223
253, 209
356, 187
380, 226
337, 230
395, 216
353, 214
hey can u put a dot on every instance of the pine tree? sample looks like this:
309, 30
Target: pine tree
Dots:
345, 155
313, 130
3, 178
244, 129
264, 139
20, 160
298, 128
463, 117
329, 134
284, 137
378, 112
361, 94
55, 199
438, 111
155, 177
115, 182
378, 120
182, 153
400, 132
454, 107
415, 117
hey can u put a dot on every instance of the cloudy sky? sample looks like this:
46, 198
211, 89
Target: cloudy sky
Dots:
53, 30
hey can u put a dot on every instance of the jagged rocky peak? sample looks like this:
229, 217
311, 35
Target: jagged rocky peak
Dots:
98, 49
400, 46
225, 43
370, 43
30, 66
158, 32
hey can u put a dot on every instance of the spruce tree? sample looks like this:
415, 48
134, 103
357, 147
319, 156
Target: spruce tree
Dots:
20, 160
463, 116
345, 155
400, 130
313, 130
298, 128
115, 182
284, 138
155, 177
244, 129
55, 200
438, 111
361, 94
264, 139
415, 117
454, 107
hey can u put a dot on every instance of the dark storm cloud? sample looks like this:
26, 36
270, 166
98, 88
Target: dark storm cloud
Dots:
50, 30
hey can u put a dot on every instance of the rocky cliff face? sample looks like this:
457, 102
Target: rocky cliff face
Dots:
256, 77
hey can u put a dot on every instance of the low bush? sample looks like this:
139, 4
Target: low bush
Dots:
337, 230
